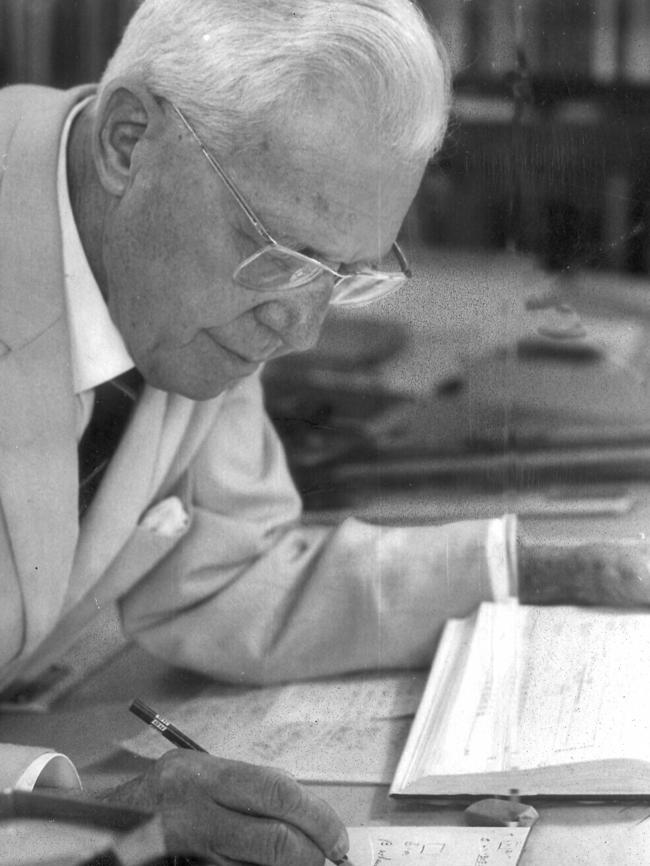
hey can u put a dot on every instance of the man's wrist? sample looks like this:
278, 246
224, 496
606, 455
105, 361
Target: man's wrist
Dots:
609, 573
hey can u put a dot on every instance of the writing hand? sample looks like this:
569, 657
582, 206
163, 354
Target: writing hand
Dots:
232, 812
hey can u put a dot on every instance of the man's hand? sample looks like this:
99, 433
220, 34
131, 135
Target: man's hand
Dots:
229, 812
613, 574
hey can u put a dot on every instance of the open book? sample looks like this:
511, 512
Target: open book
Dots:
552, 701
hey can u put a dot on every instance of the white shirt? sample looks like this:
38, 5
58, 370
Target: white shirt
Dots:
97, 348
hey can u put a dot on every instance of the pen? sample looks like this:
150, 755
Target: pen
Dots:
178, 738
170, 732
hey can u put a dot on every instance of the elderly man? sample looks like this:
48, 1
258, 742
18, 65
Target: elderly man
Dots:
242, 165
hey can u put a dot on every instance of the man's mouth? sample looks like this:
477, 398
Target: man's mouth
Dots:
249, 360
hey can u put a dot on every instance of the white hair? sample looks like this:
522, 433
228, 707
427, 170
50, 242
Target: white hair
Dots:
228, 64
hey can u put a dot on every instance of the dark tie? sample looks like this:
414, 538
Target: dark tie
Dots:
114, 401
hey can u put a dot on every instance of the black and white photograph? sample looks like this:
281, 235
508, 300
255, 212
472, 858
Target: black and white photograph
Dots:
324, 432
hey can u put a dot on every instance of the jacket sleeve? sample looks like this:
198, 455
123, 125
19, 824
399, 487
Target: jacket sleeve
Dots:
251, 595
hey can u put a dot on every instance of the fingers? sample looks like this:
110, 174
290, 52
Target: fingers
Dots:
268, 792
245, 812
225, 836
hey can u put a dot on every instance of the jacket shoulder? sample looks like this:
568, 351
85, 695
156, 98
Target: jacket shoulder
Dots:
18, 100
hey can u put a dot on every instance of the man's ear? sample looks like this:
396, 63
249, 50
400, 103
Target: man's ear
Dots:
125, 112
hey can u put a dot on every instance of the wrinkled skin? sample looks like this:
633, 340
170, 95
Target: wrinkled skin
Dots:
229, 811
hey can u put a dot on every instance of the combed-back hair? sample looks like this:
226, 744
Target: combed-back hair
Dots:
231, 64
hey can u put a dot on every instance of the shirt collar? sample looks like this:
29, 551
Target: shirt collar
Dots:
97, 348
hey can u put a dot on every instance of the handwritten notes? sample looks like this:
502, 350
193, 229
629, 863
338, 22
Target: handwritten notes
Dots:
349, 729
436, 846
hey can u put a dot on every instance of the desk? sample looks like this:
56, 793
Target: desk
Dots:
89, 723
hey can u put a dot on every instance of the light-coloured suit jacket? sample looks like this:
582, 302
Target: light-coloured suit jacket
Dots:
245, 592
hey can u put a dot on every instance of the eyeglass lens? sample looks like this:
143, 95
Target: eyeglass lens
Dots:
364, 288
273, 268
279, 269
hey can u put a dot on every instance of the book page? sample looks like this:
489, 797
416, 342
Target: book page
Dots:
349, 729
478, 724
444, 678
583, 686
436, 846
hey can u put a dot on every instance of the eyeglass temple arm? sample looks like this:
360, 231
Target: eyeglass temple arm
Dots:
226, 180
402, 261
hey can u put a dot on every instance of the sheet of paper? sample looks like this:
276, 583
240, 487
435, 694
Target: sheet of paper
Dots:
25, 842
436, 846
335, 730
588, 670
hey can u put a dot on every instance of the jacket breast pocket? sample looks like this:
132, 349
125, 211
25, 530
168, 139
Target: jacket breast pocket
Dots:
157, 533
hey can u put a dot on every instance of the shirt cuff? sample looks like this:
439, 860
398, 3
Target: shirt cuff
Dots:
501, 550
27, 767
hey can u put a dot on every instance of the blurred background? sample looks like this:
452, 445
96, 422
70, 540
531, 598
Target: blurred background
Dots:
512, 371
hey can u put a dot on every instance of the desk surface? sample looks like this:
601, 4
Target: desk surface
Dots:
90, 722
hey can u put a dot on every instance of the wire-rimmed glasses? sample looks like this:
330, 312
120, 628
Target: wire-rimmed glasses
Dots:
276, 268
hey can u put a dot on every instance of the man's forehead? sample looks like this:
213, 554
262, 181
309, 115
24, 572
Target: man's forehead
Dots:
339, 176
332, 135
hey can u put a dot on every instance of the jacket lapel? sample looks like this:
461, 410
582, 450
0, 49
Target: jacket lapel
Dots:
37, 445
114, 549
152, 457
38, 487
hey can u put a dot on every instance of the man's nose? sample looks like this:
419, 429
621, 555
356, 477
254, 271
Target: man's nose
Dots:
297, 317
